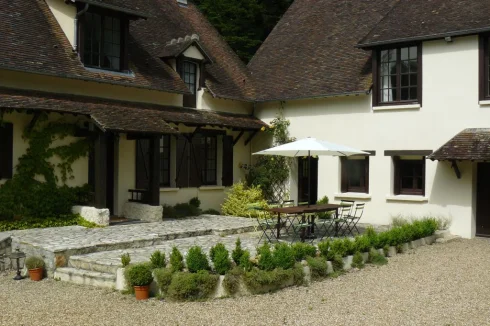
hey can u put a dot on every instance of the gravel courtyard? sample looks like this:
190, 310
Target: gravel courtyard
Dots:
443, 284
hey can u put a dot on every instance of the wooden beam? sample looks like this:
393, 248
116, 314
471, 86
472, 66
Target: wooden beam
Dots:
235, 141
455, 167
252, 135
154, 164
409, 153
33, 121
100, 158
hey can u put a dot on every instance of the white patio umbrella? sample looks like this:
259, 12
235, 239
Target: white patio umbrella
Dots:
308, 147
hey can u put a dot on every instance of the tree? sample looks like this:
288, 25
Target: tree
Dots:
244, 24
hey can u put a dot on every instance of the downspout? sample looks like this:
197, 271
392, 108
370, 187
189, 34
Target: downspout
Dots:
78, 15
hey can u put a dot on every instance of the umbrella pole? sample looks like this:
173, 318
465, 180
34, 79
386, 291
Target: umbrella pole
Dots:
309, 178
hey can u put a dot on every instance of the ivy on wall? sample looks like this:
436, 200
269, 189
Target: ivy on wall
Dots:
34, 190
272, 172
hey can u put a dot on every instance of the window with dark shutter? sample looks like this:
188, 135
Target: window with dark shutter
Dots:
227, 173
188, 72
165, 161
182, 156
355, 175
6, 150
485, 67
142, 163
409, 176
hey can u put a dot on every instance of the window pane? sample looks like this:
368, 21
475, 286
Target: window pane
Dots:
404, 94
404, 67
413, 66
413, 93
413, 80
413, 52
405, 80
404, 54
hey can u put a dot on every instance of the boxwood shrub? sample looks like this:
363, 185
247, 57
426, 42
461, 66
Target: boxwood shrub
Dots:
196, 260
139, 274
192, 286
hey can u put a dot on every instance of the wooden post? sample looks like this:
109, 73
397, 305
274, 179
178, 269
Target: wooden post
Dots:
154, 164
100, 158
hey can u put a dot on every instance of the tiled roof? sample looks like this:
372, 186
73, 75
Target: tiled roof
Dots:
124, 116
470, 144
311, 52
138, 8
47, 50
429, 19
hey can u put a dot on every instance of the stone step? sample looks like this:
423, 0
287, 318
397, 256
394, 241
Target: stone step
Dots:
84, 277
87, 263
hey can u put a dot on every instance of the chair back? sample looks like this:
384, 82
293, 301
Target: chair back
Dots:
359, 210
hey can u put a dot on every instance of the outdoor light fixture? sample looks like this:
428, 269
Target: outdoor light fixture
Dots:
19, 257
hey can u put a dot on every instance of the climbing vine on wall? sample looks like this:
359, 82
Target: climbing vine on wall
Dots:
35, 190
272, 172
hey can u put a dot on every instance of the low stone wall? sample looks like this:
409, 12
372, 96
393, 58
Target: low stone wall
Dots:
92, 214
143, 212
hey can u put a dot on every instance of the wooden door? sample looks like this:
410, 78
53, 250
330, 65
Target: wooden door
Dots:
303, 174
111, 142
483, 200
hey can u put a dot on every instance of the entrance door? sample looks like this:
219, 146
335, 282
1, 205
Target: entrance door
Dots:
303, 169
483, 200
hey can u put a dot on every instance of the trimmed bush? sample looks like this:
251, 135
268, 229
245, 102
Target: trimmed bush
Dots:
372, 236
239, 198
196, 260
125, 259
237, 253
163, 277
231, 283
283, 256
349, 247
192, 286
337, 247
176, 260
266, 260
195, 202
324, 248
211, 211
337, 263
157, 259
376, 258
318, 267
48, 222
34, 262
139, 274
220, 258
362, 243
245, 262
182, 210
261, 281
358, 261
302, 250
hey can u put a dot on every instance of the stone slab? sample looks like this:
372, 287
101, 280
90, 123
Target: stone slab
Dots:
142, 212
98, 216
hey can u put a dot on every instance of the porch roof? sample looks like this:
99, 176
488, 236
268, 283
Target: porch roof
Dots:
120, 116
471, 144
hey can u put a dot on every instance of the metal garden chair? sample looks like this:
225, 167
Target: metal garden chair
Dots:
354, 218
266, 225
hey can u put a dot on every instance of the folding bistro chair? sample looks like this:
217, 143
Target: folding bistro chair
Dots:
300, 224
340, 219
265, 224
354, 218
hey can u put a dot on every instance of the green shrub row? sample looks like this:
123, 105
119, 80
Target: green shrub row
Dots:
192, 208
34, 223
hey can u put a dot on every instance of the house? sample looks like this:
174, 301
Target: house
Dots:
406, 81
165, 102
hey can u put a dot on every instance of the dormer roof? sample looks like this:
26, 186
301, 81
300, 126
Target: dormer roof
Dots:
135, 8
177, 46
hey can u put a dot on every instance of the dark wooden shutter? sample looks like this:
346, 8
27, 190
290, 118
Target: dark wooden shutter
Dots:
344, 181
142, 163
197, 161
6, 150
396, 165
314, 181
423, 175
227, 166
182, 150
366, 169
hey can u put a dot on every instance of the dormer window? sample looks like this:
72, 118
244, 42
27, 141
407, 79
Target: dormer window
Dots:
102, 40
189, 75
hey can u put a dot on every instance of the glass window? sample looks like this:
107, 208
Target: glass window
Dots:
102, 41
189, 71
410, 176
209, 160
398, 75
355, 175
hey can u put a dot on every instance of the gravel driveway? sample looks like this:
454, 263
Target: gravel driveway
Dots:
443, 284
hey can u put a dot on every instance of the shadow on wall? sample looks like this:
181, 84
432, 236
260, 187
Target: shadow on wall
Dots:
448, 190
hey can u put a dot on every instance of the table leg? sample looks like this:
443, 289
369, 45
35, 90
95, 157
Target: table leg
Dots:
278, 225
337, 223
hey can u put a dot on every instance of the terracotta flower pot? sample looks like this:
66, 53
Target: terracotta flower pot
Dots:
142, 292
36, 274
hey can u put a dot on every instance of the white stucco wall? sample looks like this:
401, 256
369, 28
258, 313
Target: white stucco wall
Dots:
65, 15
450, 104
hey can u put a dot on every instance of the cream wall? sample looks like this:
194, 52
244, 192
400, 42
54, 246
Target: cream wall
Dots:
20, 121
65, 15
450, 104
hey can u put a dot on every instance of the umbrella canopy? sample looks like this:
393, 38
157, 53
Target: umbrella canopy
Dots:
311, 146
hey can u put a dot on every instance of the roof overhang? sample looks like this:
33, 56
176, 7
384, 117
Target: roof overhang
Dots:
133, 12
472, 144
177, 47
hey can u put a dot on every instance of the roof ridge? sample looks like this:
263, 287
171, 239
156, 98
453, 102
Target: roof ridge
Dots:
187, 38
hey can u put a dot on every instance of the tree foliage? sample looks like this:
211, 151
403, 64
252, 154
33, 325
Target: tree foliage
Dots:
244, 24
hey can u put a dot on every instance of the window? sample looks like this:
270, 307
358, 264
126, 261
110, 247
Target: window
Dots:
397, 78
188, 72
485, 67
355, 174
409, 176
209, 160
102, 40
165, 161
6, 150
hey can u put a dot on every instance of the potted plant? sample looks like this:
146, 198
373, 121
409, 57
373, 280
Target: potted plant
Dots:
140, 276
35, 265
